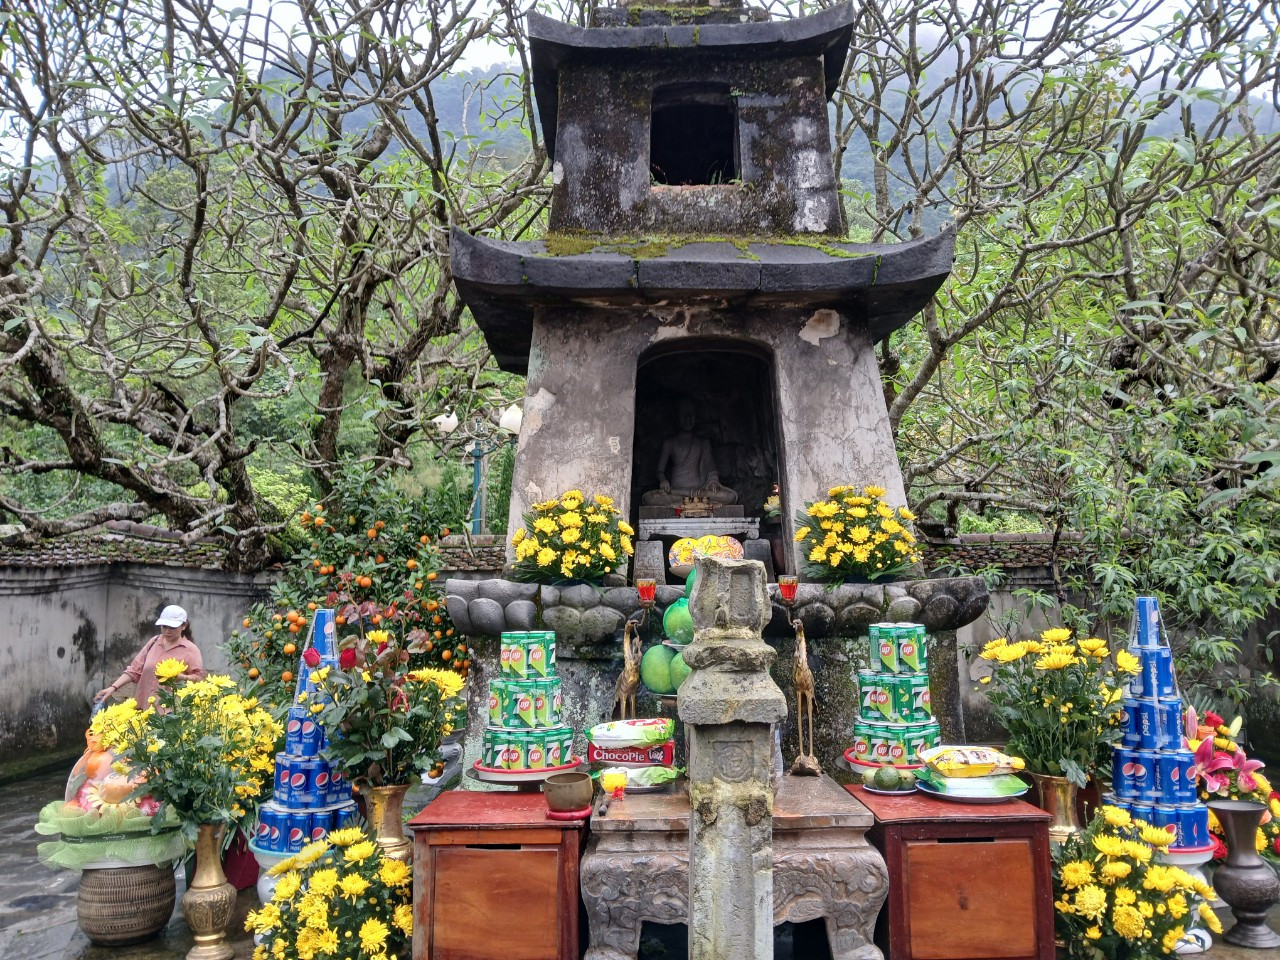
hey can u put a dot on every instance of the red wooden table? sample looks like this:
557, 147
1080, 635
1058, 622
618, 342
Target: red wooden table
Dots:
494, 879
966, 881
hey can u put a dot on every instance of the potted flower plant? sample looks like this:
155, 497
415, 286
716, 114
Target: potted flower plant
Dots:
385, 720
855, 535
206, 754
571, 537
1224, 772
1113, 901
338, 897
123, 843
1059, 701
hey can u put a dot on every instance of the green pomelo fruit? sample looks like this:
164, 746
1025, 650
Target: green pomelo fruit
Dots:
887, 778
655, 669
677, 622
679, 670
688, 583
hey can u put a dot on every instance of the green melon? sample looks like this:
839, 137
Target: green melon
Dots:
655, 668
679, 670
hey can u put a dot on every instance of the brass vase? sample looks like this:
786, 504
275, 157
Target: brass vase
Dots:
1245, 881
209, 900
1058, 799
384, 811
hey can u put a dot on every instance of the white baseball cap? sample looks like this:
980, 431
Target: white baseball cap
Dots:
172, 616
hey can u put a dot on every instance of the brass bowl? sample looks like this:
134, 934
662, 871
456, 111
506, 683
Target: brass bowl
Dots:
568, 791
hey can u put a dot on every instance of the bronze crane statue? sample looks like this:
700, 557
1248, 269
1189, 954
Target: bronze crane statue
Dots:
624, 694
806, 764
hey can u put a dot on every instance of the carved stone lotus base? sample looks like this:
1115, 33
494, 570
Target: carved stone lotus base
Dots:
636, 868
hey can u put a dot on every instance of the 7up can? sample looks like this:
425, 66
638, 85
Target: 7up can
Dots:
917, 702
884, 647
913, 652
877, 697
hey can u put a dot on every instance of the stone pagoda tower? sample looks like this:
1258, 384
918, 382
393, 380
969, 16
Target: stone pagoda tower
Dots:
694, 262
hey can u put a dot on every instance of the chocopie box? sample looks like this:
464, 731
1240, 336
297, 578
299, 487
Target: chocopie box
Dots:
647, 755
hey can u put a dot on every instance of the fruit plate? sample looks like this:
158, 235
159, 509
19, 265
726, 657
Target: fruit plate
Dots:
497, 775
889, 793
925, 787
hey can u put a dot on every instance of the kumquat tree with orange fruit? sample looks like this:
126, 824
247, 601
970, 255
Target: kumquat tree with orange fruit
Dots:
370, 555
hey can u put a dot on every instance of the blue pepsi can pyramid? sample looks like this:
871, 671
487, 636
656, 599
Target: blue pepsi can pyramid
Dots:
1153, 772
309, 798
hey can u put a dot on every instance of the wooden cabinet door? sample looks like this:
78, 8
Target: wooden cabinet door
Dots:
494, 903
968, 900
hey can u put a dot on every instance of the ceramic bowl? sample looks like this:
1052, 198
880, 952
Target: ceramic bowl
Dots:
568, 791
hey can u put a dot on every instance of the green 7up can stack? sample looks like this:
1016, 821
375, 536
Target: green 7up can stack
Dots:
896, 720
525, 706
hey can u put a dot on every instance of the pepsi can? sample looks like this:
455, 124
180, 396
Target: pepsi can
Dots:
272, 828
345, 815
322, 781
1144, 776
293, 732
1172, 769
1165, 816
1148, 725
322, 821
339, 790
1129, 723
311, 738
323, 634
302, 782
1193, 825
1143, 811
1147, 622
1171, 724
298, 831
1123, 764
284, 776
1157, 673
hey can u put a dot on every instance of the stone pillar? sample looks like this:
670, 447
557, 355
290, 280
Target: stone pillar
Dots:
729, 704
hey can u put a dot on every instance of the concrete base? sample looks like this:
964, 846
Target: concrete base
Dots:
636, 868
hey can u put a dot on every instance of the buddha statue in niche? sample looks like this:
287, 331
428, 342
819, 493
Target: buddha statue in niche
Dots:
692, 467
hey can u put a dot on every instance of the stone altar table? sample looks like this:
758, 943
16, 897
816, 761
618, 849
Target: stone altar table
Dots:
636, 868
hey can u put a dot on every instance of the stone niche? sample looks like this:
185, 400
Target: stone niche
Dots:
733, 388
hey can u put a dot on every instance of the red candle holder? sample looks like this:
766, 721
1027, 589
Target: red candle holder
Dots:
787, 587
647, 590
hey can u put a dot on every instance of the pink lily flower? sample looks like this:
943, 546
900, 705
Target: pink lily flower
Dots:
1208, 765
1244, 770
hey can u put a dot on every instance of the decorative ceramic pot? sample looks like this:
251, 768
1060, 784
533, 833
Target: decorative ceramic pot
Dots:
122, 905
383, 810
1058, 799
209, 900
1245, 881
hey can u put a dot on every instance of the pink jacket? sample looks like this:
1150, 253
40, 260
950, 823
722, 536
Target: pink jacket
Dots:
142, 670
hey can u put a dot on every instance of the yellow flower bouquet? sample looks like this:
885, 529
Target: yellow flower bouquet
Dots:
1113, 901
571, 537
205, 751
337, 897
855, 533
1058, 698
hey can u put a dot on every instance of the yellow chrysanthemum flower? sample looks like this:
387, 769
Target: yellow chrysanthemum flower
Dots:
1056, 635
1109, 846
1090, 901
873, 491
287, 886
1210, 918
170, 669
1094, 647
323, 882
345, 836
1127, 922
373, 934
377, 636
1138, 851
624, 527
359, 852
1076, 873
546, 557
1111, 872
802, 533
518, 537
1126, 662
527, 549
1116, 816
1171, 938
1094, 933
1011, 652
1056, 661
402, 917
1126, 895
570, 520
545, 525
353, 885
1158, 837
1178, 906
311, 852
394, 873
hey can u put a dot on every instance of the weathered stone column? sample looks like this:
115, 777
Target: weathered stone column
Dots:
729, 704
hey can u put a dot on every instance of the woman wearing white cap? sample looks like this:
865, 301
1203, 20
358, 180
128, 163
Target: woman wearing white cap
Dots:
172, 642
